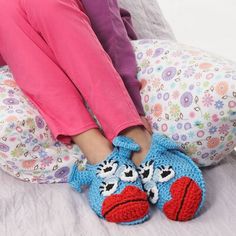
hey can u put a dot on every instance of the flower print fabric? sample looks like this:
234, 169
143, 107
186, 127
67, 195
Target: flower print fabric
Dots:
187, 94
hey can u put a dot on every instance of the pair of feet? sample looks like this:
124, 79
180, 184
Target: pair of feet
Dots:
120, 192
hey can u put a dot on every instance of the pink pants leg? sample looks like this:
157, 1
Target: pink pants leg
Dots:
57, 61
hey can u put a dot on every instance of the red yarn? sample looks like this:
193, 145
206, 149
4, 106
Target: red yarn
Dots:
130, 205
186, 198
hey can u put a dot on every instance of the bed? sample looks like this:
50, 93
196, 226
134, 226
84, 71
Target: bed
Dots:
55, 209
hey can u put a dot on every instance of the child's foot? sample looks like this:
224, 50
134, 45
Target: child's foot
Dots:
172, 180
115, 189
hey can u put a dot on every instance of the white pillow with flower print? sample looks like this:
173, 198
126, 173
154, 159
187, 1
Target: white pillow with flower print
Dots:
189, 95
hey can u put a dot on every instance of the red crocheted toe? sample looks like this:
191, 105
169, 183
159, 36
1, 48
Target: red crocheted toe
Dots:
130, 205
186, 198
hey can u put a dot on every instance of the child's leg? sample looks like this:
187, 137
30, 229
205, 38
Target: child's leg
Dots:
38, 74
42, 76
102, 147
107, 24
67, 31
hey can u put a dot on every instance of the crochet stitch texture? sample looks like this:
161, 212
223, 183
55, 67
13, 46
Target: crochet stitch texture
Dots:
115, 189
173, 182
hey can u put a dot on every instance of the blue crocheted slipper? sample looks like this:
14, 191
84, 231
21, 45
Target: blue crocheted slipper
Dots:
172, 180
115, 188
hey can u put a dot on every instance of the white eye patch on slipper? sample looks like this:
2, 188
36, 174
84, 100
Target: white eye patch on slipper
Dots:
107, 168
127, 173
108, 186
146, 171
163, 173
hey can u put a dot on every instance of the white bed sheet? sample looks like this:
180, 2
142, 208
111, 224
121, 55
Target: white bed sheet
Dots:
56, 209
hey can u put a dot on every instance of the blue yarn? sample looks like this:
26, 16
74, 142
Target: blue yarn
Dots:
164, 152
120, 158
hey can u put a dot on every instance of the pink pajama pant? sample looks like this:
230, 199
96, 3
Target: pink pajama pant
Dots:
58, 62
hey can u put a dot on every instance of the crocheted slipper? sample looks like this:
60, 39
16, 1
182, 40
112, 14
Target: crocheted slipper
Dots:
172, 180
115, 188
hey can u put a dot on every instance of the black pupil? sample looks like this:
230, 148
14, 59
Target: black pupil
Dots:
151, 194
109, 187
129, 174
165, 173
145, 173
107, 169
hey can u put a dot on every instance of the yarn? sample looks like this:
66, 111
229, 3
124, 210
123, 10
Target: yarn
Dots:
186, 197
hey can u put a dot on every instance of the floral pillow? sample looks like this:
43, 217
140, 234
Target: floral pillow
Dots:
190, 95
187, 94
